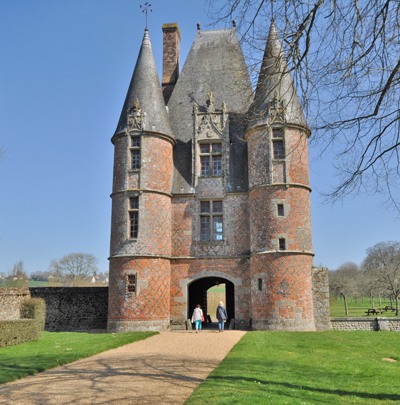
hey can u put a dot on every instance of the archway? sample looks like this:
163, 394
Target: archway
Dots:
197, 292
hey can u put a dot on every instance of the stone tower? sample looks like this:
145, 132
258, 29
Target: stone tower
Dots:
139, 291
279, 193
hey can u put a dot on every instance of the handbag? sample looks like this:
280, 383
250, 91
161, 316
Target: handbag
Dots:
202, 318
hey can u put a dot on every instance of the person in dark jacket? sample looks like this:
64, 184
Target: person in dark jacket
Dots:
221, 316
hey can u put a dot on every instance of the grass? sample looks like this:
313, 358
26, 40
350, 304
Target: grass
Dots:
332, 367
57, 348
356, 309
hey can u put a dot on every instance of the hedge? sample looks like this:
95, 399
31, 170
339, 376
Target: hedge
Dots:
27, 329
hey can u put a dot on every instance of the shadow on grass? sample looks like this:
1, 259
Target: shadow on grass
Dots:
236, 380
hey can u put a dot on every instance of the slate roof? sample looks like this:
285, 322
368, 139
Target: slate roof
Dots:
215, 62
145, 86
275, 75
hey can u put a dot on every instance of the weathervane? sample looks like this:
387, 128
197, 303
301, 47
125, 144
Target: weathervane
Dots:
146, 8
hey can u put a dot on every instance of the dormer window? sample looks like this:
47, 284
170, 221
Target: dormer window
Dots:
210, 159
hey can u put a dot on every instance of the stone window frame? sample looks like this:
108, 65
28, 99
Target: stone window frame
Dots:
211, 156
133, 210
135, 149
211, 214
135, 273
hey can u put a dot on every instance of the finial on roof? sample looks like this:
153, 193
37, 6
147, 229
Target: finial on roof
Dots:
198, 26
146, 8
234, 23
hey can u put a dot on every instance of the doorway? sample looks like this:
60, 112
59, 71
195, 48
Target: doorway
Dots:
197, 292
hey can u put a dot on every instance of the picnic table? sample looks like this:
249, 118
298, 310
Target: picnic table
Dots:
390, 308
375, 311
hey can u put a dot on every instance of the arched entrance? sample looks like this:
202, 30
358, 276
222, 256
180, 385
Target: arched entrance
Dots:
197, 292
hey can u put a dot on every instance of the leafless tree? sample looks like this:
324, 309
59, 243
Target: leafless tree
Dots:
343, 281
344, 58
74, 267
383, 263
17, 276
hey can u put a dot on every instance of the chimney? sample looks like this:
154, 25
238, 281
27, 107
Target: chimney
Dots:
171, 47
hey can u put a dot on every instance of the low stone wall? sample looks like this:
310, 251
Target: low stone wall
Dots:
372, 324
74, 308
320, 290
10, 302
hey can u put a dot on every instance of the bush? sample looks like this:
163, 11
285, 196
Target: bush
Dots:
27, 329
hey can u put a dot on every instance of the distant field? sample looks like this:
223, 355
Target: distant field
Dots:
357, 309
32, 283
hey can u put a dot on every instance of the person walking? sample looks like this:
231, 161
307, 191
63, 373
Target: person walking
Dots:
197, 317
222, 315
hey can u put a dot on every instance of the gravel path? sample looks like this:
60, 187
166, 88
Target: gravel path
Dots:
163, 369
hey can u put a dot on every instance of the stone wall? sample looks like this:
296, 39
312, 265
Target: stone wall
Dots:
372, 324
10, 302
320, 290
74, 308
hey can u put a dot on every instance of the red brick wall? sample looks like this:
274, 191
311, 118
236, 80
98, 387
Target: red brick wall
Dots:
156, 170
287, 283
153, 299
267, 227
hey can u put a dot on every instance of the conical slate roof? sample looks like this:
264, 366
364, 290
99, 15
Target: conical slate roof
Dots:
145, 86
275, 78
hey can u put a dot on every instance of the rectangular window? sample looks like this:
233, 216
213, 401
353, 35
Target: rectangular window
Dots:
135, 152
260, 284
217, 228
278, 150
205, 206
211, 225
133, 217
281, 211
205, 165
277, 133
282, 244
217, 165
135, 142
205, 229
131, 283
210, 159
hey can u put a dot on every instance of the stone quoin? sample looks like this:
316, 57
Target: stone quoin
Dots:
211, 186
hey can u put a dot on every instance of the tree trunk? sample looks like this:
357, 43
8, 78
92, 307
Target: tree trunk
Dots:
345, 304
397, 305
356, 299
391, 300
372, 301
362, 299
380, 303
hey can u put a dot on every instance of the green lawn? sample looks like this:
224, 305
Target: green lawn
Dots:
356, 309
57, 348
332, 367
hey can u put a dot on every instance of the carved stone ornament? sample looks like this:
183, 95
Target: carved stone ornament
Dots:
136, 117
211, 120
277, 109
210, 102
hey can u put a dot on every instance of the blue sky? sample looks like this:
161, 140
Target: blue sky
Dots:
65, 68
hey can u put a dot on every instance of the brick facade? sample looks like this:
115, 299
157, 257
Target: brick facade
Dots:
218, 200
